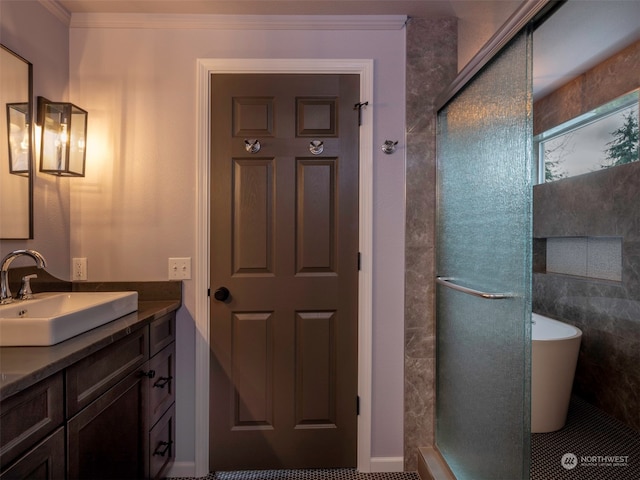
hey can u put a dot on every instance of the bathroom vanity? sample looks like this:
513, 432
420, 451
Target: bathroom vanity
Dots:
99, 405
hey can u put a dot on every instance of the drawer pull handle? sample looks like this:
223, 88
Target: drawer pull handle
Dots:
162, 448
150, 374
162, 381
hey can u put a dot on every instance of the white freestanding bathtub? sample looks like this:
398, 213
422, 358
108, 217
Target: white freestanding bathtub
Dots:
554, 355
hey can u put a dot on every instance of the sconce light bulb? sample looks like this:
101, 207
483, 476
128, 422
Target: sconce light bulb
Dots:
64, 137
24, 144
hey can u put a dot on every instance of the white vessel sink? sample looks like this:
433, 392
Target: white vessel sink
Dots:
50, 318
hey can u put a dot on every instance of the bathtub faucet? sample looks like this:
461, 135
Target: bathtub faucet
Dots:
5, 293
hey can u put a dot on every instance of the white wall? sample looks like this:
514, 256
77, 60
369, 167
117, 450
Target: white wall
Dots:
41, 38
136, 206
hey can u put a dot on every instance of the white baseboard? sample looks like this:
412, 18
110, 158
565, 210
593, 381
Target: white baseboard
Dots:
182, 469
387, 464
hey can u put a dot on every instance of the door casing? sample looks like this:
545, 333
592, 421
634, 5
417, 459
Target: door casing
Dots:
206, 67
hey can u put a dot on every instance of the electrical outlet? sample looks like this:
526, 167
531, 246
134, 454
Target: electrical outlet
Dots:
180, 268
79, 269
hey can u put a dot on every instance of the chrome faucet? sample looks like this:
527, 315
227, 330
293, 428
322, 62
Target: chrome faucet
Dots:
5, 293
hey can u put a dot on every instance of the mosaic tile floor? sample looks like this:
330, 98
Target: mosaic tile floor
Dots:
591, 446
337, 474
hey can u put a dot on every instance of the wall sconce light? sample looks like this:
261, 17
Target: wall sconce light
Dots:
18, 126
64, 137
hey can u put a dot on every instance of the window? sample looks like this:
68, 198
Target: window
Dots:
602, 138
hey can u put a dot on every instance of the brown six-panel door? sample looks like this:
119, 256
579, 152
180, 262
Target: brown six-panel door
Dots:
284, 245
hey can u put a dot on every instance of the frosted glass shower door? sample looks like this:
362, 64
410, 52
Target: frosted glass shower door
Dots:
484, 268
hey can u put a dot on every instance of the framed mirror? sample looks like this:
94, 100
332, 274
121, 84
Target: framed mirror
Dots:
16, 146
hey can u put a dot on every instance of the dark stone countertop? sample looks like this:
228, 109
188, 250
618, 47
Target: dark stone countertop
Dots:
21, 367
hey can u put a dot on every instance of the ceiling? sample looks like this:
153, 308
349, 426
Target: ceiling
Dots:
581, 34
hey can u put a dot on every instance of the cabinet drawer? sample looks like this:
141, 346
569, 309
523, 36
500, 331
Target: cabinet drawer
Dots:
162, 333
44, 462
95, 374
162, 392
29, 416
162, 445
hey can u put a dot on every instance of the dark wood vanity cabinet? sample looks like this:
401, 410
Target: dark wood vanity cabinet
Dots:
45, 461
162, 397
162, 444
118, 420
32, 433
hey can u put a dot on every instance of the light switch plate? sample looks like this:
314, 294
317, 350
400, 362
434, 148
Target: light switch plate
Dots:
180, 268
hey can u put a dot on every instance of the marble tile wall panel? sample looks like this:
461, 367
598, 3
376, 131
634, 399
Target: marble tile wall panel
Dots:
593, 257
431, 67
567, 255
604, 258
603, 203
610, 79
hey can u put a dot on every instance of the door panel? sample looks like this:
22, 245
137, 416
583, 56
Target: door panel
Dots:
316, 227
253, 216
252, 364
315, 370
485, 179
284, 242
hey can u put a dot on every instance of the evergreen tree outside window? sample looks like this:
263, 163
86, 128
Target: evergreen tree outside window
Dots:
624, 147
602, 138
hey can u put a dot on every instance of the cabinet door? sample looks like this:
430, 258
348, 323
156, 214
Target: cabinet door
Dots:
108, 439
29, 416
44, 462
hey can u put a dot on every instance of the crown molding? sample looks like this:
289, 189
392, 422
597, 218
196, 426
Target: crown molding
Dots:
237, 22
58, 10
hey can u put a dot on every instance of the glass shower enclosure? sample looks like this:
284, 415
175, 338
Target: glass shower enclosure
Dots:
485, 179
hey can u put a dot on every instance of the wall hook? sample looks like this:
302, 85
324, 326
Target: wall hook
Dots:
252, 145
316, 147
389, 146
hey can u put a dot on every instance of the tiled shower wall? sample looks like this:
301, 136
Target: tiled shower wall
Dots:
431, 67
605, 203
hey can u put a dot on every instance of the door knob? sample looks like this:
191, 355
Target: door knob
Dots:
221, 294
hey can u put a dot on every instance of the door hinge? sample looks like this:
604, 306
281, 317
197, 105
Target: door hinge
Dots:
358, 405
359, 261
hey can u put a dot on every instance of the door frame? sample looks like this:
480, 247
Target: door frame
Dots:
205, 68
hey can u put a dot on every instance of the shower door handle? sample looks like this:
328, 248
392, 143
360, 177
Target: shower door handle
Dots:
449, 282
